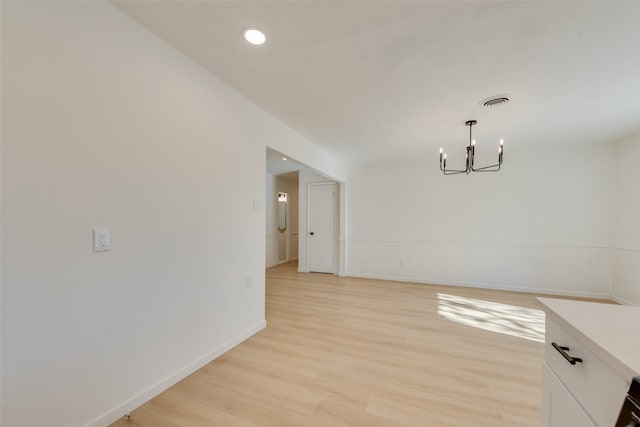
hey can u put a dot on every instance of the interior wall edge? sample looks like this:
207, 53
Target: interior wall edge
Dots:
625, 273
626, 253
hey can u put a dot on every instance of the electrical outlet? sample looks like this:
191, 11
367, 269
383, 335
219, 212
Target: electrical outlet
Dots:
101, 239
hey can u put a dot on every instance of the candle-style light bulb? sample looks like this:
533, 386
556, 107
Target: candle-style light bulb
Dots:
473, 142
501, 141
441, 150
445, 156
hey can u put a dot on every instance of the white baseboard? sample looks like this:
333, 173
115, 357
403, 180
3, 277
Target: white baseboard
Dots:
154, 390
623, 301
481, 285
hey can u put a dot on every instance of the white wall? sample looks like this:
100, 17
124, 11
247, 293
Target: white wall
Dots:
543, 223
104, 124
626, 266
1, 327
271, 214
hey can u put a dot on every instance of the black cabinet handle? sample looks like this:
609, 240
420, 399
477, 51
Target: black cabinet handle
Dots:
563, 352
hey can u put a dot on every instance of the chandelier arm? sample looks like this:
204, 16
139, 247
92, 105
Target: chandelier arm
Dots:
452, 170
497, 165
489, 170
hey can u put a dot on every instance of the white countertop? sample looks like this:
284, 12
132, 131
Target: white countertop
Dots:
612, 332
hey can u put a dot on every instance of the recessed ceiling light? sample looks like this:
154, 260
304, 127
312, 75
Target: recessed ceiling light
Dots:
284, 158
254, 36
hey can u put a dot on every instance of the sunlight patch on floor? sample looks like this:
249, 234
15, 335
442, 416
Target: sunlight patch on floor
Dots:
492, 316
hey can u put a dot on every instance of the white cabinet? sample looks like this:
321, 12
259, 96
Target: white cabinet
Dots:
592, 383
560, 408
581, 387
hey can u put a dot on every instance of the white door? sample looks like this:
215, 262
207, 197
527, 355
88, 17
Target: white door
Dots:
321, 227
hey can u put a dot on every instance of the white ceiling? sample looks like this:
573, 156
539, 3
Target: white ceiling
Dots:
372, 80
276, 165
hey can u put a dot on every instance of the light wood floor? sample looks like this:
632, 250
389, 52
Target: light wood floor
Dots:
356, 352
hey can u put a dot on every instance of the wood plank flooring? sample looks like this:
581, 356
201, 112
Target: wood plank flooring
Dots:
356, 352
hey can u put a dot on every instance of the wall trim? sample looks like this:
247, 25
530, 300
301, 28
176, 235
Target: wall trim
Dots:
623, 301
120, 410
479, 285
616, 298
482, 243
627, 250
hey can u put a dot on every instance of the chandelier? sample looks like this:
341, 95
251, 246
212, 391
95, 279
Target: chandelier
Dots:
471, 150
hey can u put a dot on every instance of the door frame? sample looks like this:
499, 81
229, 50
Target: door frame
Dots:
336, 222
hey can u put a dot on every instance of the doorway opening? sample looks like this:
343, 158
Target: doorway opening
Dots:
282, 219
303, 212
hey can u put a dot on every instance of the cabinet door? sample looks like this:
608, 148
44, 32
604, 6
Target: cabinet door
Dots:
560, 409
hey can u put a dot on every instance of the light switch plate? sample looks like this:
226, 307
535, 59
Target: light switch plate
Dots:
101, 239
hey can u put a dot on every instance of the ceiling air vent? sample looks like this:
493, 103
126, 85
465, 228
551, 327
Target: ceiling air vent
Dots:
494, 101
